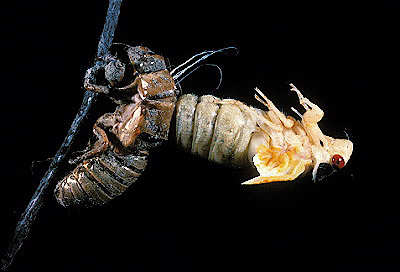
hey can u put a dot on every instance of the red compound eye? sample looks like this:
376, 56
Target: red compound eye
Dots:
338, 161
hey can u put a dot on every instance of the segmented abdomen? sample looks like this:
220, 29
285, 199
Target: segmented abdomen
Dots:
98, 180
217, 129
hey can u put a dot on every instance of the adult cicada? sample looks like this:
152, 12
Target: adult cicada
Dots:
280, 147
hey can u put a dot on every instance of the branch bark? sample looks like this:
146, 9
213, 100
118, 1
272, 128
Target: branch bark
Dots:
28, 217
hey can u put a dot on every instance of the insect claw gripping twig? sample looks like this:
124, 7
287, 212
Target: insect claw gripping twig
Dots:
29, 215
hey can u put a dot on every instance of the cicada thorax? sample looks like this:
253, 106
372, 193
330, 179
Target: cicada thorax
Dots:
140, 122
146, 123
219, 130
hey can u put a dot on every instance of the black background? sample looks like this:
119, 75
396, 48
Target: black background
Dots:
186, 214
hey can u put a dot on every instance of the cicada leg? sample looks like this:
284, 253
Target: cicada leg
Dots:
310, 119
98, 147
90, 79
313, 113
275, 115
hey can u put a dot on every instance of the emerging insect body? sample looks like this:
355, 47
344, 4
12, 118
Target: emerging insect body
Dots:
280, 147
140, 122
216, 129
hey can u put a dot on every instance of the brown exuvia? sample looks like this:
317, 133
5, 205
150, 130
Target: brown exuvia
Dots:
146, 95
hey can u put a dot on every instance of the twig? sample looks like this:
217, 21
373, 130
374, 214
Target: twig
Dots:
29, 215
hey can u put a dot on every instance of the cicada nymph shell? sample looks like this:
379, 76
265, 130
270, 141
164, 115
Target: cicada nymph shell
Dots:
139, 82
140, 122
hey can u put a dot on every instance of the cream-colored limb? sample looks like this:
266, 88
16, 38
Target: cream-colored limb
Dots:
274, 110
320, 155
313, 113
310, 119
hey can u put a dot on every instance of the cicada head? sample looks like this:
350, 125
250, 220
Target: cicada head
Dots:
336, 154
340, 151
114, 71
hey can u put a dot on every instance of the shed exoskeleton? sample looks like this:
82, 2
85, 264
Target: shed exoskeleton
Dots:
280, 147
140, 122
138, 81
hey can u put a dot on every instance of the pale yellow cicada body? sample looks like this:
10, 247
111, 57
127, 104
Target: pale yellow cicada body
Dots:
280, 147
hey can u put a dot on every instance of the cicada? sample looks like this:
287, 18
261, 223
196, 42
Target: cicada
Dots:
280, 147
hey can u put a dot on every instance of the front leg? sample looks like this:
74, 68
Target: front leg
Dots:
90, 81
311, 118
276, 115
102, 139
313, 113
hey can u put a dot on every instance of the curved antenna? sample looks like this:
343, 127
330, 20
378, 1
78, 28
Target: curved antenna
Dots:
347, 135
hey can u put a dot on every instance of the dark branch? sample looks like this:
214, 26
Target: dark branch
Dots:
28, 217
110, 25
